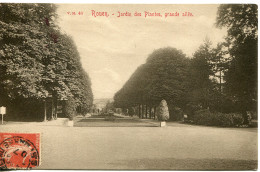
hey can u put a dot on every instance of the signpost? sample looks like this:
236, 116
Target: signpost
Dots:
2, 112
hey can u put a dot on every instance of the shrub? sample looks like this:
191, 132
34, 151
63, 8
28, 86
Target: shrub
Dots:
110, 113
131, 111
70, 108
202, 117
125, 111
205, 117
110, 118
190, 110
163, 112
237, 119
176, 113
253, 115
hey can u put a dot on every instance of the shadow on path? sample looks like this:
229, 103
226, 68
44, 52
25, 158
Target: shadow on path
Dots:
187, 164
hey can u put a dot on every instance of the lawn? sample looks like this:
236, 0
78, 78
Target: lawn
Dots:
112, 122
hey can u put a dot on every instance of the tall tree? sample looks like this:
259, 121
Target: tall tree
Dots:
200, 73
37, 61
241, 22
163, 76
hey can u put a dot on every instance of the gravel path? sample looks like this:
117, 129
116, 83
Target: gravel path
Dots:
176, 147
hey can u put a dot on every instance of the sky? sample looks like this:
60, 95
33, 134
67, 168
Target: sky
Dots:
112, 47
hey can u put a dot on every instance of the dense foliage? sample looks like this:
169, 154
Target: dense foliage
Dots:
222, 79
242, 43
164, 76
38, 63
205, 117
70, 108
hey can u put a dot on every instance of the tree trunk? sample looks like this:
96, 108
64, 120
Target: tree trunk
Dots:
245, 117
154, 113
150, 113
45, 112
146, 111
220, 81
55, 108
220, 84
142, 111
139, 113
52, 107
243, 105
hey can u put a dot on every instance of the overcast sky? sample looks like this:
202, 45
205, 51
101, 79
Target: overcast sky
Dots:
111, 48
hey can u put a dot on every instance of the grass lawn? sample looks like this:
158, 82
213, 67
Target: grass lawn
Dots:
101, 116
115, 122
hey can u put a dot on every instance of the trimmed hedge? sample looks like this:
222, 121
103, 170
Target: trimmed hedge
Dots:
205, 117
163, 111
70, 108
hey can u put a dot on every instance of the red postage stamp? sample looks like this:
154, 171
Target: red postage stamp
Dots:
19, 150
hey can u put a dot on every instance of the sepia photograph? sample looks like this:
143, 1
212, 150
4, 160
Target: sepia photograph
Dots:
96, 86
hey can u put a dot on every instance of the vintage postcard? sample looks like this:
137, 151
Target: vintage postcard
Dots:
128, 86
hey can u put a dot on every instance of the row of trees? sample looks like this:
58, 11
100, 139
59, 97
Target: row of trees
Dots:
39, 65
162, 77
221, 78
